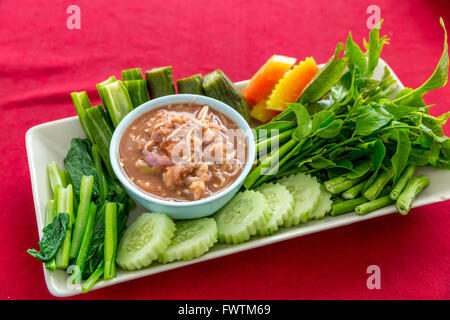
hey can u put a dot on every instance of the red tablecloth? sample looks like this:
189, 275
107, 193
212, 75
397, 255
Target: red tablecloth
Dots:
41, 61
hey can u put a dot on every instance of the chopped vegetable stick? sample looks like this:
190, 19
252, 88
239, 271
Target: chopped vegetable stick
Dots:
412, 189
110, 245
103, 83
93, 278
373, 205
267, 76
192, 84
65, 205
55, 176
81, 103
102, 133
218, 86
84, 247
132, 74
290, 87
49, 215
261, 113
116, 100
160, 82
137, 89
82, 215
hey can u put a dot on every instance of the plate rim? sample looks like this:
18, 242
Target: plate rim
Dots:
306, 228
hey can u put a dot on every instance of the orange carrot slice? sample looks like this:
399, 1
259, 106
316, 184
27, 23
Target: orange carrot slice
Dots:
267, 76
261, 113
289, 88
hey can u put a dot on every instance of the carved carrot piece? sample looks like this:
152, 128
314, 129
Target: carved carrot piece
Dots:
290, 87
265, 79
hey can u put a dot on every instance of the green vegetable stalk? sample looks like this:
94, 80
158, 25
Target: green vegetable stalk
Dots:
61, 178
82, 215
93, 278
267, 143
341, 184
116, 100
55, 176
65, 205
82, 253
160, 82
262, 168
82, 103
400, 185
354, 191
192, 85
102, 84
49, 215
102, 134
373, 205
110, 240
137, 89
273, 169
341, 207
102, 180
218, 86
132, 74
381, 181
413, 188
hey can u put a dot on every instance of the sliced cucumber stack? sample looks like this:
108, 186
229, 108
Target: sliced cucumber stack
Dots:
324, 205
306, 192
144, 240
244, 216
281, 204
192, 239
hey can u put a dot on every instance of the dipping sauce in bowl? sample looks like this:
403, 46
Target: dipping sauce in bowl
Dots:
182, 152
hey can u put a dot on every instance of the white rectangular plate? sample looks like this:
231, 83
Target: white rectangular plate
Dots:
51, 141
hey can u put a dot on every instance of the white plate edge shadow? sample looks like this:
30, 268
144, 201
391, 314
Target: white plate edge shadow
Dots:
56, 281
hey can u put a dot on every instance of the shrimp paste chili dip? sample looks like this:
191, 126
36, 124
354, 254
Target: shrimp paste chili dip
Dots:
182, 152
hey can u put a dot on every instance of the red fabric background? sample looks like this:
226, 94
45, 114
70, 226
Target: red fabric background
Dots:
41, 62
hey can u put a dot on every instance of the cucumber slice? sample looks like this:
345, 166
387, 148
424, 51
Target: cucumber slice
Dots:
245, 215
145, 240
306, 192
281, 204
192, 239
324, 205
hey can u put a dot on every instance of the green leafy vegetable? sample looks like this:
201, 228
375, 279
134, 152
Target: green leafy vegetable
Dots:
303, 121
400, 158
324, 80
322, 119
375, 46
53, 237
437, 80
79, 163
331, 130
356, 58
370, 119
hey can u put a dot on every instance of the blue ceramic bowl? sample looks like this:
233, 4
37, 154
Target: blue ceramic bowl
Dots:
185, 209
